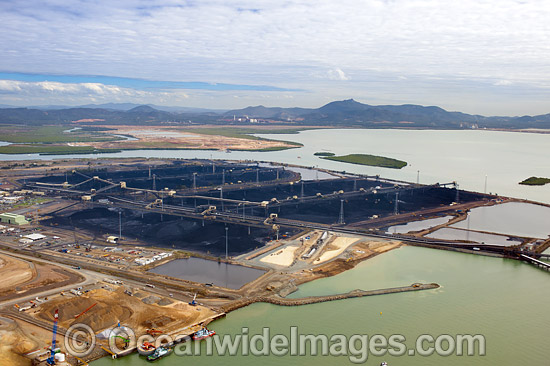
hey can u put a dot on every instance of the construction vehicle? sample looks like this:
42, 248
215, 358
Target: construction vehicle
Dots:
153, 331
51, 360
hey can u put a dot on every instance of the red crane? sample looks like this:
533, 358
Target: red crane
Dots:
82, 313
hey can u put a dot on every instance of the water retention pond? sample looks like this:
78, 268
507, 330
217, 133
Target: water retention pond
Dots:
207, 271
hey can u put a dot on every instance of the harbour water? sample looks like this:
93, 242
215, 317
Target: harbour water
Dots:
479, 295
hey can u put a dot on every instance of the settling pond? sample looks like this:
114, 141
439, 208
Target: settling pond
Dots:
206, 271
512, 218
417, 225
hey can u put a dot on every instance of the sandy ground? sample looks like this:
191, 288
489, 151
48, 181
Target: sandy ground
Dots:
160, 137
358, 253
114, 306
283, 257
47, 276
17, 338
335, 248
18, 272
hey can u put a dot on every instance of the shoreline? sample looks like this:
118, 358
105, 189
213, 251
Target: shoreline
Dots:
280, 145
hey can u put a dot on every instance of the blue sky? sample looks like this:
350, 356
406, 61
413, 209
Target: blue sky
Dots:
486, 57
131, 82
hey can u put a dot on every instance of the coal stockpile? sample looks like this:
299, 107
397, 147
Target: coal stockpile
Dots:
167, 231
236, 193
325, 207
287, 190
177, 175
360, 208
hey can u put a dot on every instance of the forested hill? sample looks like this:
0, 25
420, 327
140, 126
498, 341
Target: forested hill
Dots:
346, 113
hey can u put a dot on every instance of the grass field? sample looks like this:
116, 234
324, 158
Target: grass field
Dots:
50, 139
49, 135
535, 181
371, 160
51, 149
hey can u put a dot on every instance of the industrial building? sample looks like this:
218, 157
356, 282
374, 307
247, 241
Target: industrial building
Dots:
10, 218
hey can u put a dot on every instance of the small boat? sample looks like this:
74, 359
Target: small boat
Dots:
202, 334
384, 363
146, 349
159, 353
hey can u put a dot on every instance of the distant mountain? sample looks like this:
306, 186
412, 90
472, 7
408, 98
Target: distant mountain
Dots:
128, 106
113, 106
121, 107
265, 112
350, 112
143, 109
345, 113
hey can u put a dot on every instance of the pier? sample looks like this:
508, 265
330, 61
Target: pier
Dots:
536, 262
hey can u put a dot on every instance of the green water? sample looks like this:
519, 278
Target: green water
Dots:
504, 300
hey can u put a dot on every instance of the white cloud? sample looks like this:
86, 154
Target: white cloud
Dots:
281, 43
337, 74
41, 92
503, 83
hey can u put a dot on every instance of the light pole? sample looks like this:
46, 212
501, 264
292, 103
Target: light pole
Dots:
119, 225
226, 241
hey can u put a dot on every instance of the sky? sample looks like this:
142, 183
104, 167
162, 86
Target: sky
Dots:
475, 56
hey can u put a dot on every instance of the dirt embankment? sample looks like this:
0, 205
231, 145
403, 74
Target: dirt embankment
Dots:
159, 137
360, 252
14, 342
